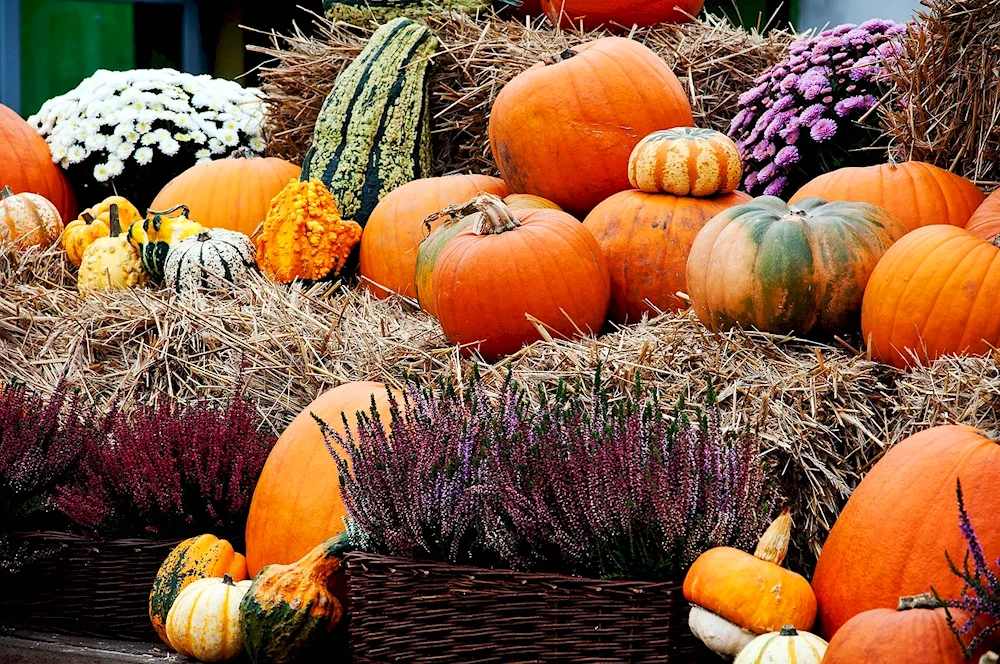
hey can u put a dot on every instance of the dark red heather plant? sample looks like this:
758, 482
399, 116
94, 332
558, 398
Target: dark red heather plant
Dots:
170, 470
570, 482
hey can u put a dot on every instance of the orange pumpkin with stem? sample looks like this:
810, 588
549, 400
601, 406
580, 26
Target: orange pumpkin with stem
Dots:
646, 240
917, 193
737, 596
933, 293
395, 229
514, 264
28, 220
891, 538
564, 130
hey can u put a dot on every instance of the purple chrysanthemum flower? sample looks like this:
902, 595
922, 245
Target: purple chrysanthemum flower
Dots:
777, 187
812, 114
764, 150
856, 104
750, 180
823, 130
787, 156
769, 172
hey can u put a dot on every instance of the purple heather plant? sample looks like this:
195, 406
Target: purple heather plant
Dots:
801, 118
571, 482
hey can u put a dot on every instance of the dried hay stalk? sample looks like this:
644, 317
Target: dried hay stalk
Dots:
947, 109
715, 61
825, 412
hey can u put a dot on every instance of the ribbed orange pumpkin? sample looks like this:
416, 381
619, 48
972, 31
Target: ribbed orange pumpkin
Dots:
297, 503
512, 264
985, 221
565, 130
919, 194
230, 193
890, 540
934, 293
625, 13
646, 239
916, 631
441, 232
686, 161
27, 165
395, 229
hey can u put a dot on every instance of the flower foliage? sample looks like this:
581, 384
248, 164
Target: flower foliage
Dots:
170, 470
568, 482
138, 129
981, 595
801, 118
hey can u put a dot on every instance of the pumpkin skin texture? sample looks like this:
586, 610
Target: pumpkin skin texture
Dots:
441, 233
686, 162
625, 13
891, 538
516, 263
801, 269
289, 607
918, 194
395, 229
28, 220
202, 557
788, 646
985, 221
27, 164
303, 236
95, 223
933, 294
214, 259
646, 240
565, 131
232, 193
373, 133
157, 233
204, 621
111, 263
917, 631
296, 505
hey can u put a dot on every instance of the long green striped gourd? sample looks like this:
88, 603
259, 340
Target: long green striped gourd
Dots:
373, 132
359, 11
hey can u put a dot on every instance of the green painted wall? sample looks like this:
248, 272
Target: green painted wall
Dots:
64, 42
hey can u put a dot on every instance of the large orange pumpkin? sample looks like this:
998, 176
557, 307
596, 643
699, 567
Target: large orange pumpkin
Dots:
918, 194
395, 229
512, 264
624, 13
985, 221
916, 631
564, 130
230, 193
934, 293
297, 503
890, 541
26, 165
646, 239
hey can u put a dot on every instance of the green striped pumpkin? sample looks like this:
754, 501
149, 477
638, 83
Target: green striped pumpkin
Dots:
782, 269
360, 11
373, 132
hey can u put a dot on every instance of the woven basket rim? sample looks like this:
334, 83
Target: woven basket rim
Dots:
74, 538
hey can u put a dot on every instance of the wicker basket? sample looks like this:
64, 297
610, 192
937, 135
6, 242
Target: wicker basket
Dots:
409, 611
85, 587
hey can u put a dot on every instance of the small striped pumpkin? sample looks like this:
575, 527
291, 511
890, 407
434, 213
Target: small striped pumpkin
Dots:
28, 220
213, 259
204, 621
686, 161
785, 647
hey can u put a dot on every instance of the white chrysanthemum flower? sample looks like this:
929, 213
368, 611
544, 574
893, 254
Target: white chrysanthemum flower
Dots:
198, 137
257, 144
143, 127
146, 116
101, 173
162, 134
230, 137
59, 154
124, 128
148, 139
203, 154
182, 137
95, 142
115, 167
113, 143
230, 125
182, 121
216, 146
169, 147
143, 156
124, 151
75, 154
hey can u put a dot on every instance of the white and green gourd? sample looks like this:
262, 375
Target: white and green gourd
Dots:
213, 259
788, 646
373, 132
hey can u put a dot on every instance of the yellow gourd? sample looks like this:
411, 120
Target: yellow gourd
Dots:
303, 236
110, 263
154, 235
204, 621
95, 223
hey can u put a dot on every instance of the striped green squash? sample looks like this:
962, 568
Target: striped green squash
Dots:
373, 132
360, 11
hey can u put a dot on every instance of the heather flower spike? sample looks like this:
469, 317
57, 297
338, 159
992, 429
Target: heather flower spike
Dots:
811, 103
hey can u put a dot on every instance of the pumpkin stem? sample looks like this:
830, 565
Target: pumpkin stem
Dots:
773, 544
923, 601
244, 152
185, 210
996, 241
789, 630
494, 216
115, 223
562, 57
228, 580
6, 192
87, 217
204, 236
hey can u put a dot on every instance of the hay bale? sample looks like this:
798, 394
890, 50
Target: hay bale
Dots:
715, 60
947, 99
825, 412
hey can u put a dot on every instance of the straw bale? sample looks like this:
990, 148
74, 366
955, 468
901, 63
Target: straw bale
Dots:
715, 61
